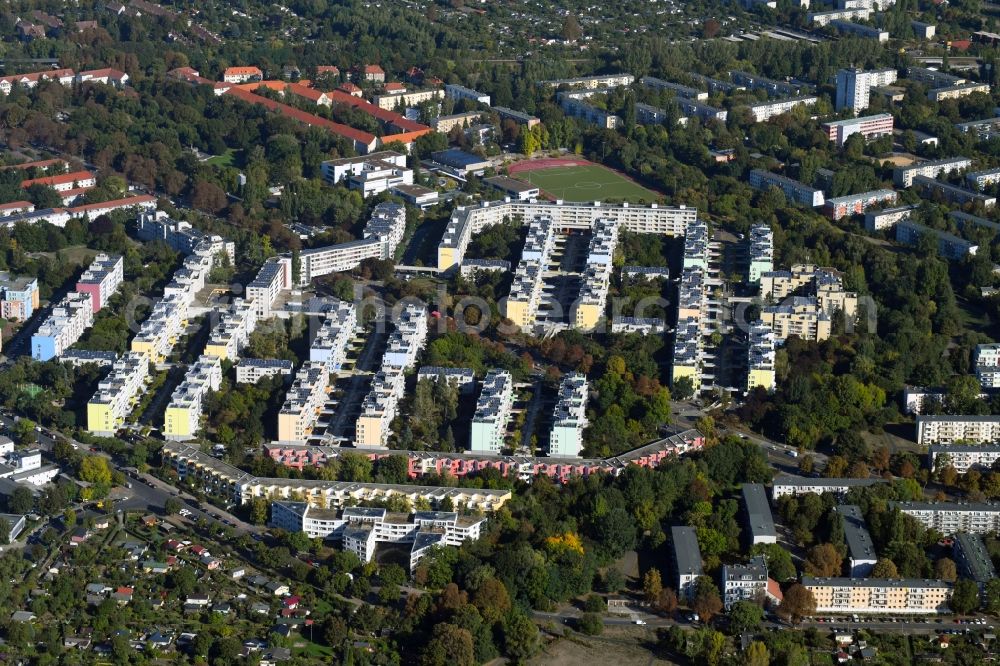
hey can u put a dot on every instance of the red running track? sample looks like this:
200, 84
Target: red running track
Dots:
549, 162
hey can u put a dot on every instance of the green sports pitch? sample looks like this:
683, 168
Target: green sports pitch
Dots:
586, 183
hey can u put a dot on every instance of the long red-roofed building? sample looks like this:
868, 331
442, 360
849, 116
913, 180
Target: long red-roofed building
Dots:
63, 181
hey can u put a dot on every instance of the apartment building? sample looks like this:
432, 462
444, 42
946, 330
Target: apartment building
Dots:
856, 204
361, 528
596, 278
950, 246
686, 560
957, 429
758, 514
820, 19
952, 193
272, 277
987, 364
334, 336
407, 339
521, 306
982, 179
903, 176
887, 218
760, 357
793, 190
64, 182
923, 30
854, 87
984, 130
252, 370
457, 92
773, 88
696, 244
15, 207
102, 279
879, 595
677, 89
646, 272
379, 408
222, 479
743, 582
761, 252
80, 357
469, 220
957, 91
64, 326
369, 174
825, 283
445, 124
232, 332
598, 81
242, 75
643, 325
866, 31
860, 547
691, 293
714, 85
766, 110
786, 484
800, 316
932, 78
704, 112
397, 100
117, 394
303, 403
963, 457
462, 379
569, 419
493, 409
687, 357
575, 104
181, 236
973, 560
18, 297
869, 127
182, 417
951, 518
519, 117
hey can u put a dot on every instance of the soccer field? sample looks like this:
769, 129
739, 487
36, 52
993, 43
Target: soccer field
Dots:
586, 183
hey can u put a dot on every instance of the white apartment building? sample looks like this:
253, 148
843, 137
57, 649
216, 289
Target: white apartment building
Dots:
760, 358
823, 18
982, 179
855, 204
598, 81
370, 174
303, 403
963, 457
361, 528
869, 127
854, 87
687, 357
468, 221
597, 275
953, 517
489, 424
182, 417
743, 582
879, 595
379, 408
63, 327
393, 101
786, 484
676, 88
522, 302
767, 110
794, 190
252, 370
761, 251
570, 417
988, 365
407, 339
958, 91
758, 514
334, 336
860, 547
903, 176
686, 560
958, 429
117, 394
272, 277
180, 235
463, 379
457, 92
232, 332
102, 279
867, 31
887, 218
643, 325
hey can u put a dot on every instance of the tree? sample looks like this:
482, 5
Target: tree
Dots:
779, 561
991, 596
964, 596
591, 624
707, 603
945, 569
667, 601
571, 29
95, 470
21, 501
823, 560
4, 531
171, 506
258, 511
652, 585
885, 568
520, 637
745, 616
756, 654
449, 644
797, 603
492, 600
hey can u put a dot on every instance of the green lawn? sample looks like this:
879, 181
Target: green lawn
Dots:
226, 159
586, 183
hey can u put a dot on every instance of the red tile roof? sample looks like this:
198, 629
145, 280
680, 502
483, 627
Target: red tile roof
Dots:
59, 179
